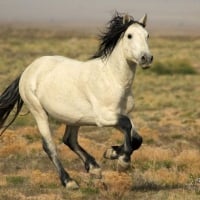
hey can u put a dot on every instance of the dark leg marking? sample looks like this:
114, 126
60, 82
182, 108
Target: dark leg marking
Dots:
136, 140
132, 141
124, 124
64, 176
116, 151
70, 138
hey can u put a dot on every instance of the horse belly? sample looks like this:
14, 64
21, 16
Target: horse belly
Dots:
70, 108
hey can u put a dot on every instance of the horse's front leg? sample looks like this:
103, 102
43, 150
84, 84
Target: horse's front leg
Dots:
132, 142
70, 138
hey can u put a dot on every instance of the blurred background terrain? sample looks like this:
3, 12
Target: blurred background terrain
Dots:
165, 16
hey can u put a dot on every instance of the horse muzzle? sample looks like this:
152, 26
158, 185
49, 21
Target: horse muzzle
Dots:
145, 60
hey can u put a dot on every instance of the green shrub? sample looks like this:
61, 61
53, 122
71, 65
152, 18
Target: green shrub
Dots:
16, 180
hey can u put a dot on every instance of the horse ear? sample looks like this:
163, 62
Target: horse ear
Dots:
143, 20
126, 19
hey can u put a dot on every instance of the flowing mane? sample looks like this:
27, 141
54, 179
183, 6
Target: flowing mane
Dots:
109, 38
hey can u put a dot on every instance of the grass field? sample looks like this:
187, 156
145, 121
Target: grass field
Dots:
167, 115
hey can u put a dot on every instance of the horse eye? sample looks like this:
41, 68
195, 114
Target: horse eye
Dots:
129, 36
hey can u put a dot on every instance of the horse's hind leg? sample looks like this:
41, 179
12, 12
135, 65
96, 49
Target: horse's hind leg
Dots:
70, 138
50, 149
48, 144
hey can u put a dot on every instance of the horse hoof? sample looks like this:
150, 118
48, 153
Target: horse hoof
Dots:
122, 165
110, 154
72, 185
96, 173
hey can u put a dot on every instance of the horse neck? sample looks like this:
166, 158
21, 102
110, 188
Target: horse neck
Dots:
121, 70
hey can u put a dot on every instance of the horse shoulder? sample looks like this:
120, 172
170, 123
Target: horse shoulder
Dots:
103, 97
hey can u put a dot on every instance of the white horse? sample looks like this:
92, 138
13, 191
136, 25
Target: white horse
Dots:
95, 92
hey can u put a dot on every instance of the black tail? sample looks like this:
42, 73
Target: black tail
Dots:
9, 98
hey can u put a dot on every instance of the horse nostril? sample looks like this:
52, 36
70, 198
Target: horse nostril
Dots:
143, 59
151, 59
146, 58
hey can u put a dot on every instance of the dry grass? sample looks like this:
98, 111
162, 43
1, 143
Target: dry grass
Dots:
167, 115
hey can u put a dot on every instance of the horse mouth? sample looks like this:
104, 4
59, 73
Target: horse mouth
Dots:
144, 66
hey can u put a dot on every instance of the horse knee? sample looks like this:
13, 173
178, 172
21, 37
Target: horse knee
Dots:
136, 141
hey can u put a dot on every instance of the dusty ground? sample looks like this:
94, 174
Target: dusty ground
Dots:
167, 115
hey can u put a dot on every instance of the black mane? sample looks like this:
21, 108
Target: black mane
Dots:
112, 34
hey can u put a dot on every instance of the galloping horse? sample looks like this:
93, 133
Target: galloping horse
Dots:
97, 92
